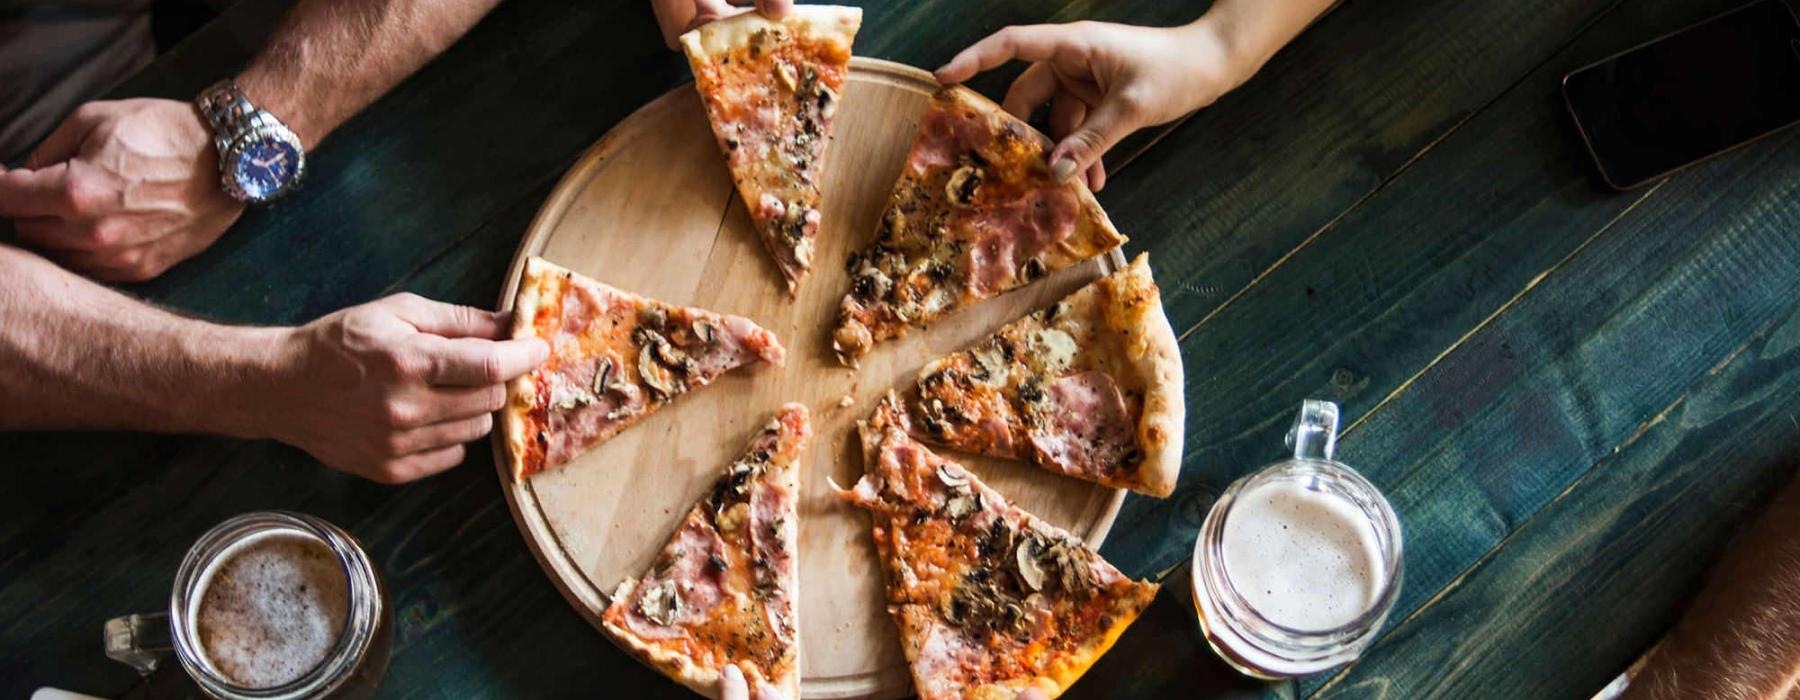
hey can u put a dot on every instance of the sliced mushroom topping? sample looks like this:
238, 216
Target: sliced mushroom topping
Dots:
660, 604
673, 357
962, 505
1026, 559
1031, 270
787, 76
705, 331
828, 100
963, 184
603, 376
993, 369
953, 476
655, 375
574, 401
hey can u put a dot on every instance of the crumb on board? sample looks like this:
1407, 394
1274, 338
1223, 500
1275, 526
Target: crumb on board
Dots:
847, 401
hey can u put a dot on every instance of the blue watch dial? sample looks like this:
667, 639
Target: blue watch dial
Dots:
265, 167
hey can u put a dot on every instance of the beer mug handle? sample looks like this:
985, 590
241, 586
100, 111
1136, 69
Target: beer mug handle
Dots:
1314, 435
139, 641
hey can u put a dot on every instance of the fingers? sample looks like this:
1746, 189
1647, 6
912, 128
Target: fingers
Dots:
1038, 42
1034, 87
452, 403
732, 685
418, 465
477, 362
64, 142
1104, 127
448, 320
672, 17
774, 9
42, 192
440, 435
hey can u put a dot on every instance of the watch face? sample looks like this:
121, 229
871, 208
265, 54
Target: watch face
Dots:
265, 167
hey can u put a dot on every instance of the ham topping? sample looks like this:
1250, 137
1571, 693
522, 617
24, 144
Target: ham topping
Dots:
682, 587
1084, 426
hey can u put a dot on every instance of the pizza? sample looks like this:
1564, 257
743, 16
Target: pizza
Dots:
615, 357
1090, 387
975, 213
724, 590
771, 88
990, 600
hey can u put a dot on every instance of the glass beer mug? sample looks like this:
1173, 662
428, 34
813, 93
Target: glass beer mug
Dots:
256, 612
1298, 564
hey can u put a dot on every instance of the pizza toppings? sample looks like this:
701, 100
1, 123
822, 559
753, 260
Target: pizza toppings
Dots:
722, 591
975, 213
771, 89
1084, 387
989, 599
615, 358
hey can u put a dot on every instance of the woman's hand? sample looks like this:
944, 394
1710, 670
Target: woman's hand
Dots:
676, 17
1106, 80
1103, 81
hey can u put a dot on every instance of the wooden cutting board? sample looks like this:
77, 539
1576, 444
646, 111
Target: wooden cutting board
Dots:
650, 208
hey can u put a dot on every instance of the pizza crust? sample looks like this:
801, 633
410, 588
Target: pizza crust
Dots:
716, 39
1156, 355
515, 415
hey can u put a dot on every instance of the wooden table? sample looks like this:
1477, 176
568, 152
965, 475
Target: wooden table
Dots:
1573, 396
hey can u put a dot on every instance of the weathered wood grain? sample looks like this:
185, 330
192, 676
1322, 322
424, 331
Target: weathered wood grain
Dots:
439, 178
1596, 576
1387, 287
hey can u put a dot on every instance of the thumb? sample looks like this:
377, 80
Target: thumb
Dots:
1104, 127
774, 9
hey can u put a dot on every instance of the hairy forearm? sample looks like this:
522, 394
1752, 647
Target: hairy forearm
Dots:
331, 58
1741, 638
1253, 30
76, 355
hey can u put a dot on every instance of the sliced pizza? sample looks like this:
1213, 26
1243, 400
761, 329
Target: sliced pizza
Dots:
724, 591
975, 213
771, 89
615, 357
1090, 387
989, 599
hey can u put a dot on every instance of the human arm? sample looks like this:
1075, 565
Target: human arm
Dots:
1741, 637
124, 189
388, 390
1104, 81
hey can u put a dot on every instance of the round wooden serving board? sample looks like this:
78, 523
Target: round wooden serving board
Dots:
650, 209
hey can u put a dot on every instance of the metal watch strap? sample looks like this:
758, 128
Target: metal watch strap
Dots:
226, 110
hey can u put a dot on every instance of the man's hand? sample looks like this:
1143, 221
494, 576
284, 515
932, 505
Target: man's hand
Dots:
391, 390
676, 17
1103, 81
121, 190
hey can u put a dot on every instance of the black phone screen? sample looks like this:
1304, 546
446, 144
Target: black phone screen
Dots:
1689, 95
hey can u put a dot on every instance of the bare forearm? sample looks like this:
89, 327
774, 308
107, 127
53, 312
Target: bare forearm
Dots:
76, 355
331, 58
1741, 639
1253, 30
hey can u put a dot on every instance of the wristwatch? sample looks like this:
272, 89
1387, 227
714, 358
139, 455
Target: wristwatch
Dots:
260, 158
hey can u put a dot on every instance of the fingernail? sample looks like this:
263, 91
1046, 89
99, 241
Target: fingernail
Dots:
1063, 169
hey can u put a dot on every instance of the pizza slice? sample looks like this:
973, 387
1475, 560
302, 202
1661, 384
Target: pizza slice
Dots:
724, 590
771, 89
989, 599
975, 213
1090, 387
615, 357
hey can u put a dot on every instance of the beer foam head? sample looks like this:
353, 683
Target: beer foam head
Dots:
1303, 559
271, 608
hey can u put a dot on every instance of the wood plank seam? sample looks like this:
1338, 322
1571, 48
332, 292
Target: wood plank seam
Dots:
1404, 167
1523, 292
1642, 428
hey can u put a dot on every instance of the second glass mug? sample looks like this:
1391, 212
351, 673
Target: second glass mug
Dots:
1245, 637
356, 662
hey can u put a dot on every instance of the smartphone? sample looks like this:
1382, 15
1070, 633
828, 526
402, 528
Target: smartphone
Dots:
1680, 99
